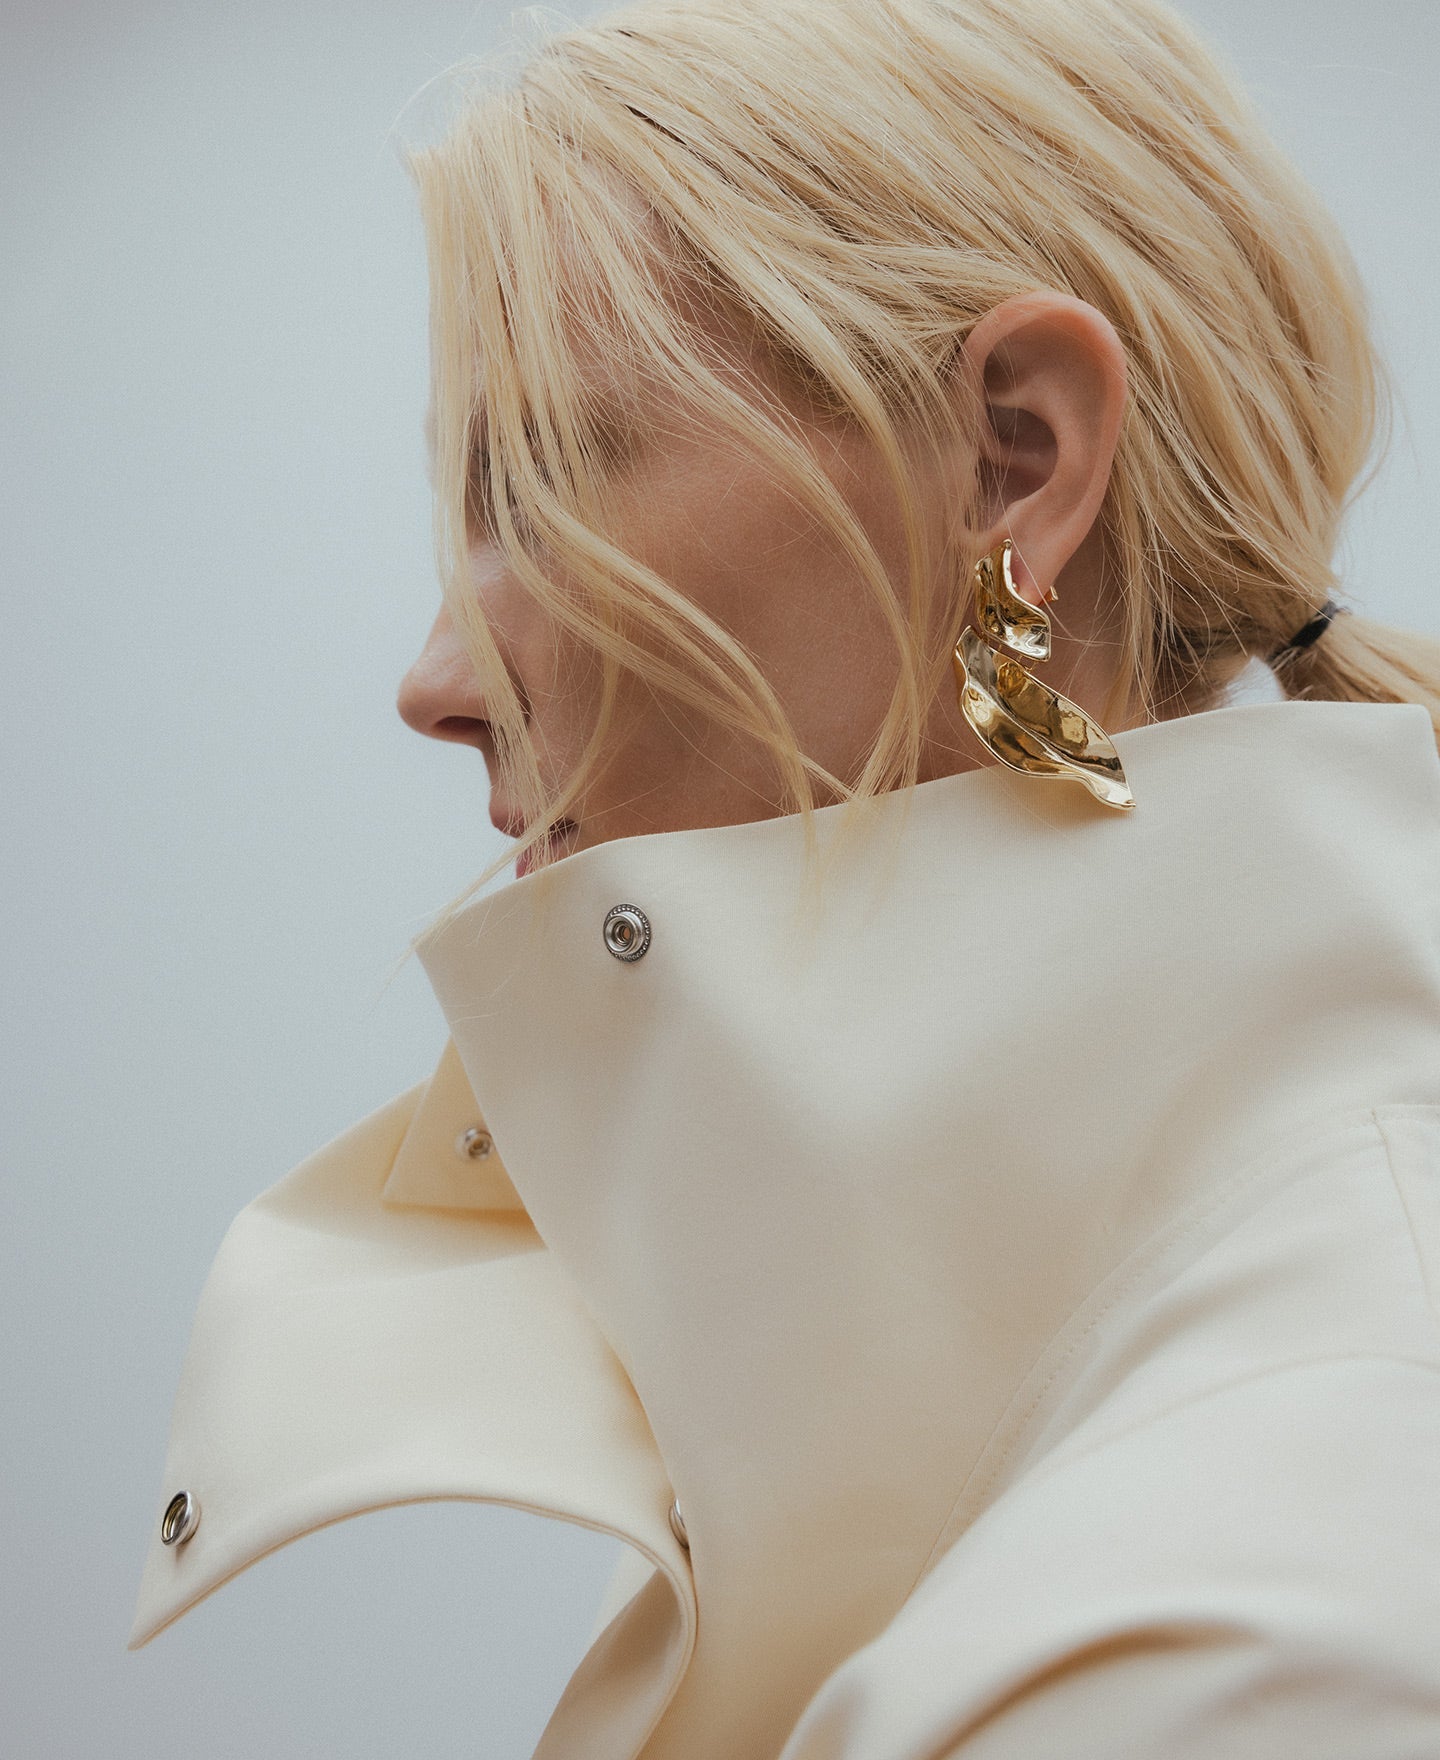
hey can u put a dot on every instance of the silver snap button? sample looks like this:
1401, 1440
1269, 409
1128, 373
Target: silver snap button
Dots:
677, 1525
474, 1144
627, 931
181, 1519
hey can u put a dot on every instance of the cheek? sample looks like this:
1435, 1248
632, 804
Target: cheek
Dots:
715, 527
564, 694
720, 532
772, 575
778, 578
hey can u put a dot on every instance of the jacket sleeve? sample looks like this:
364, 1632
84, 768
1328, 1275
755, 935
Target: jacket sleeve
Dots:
1253, 1574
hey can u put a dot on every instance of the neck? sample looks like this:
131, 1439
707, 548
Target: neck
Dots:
830, 1193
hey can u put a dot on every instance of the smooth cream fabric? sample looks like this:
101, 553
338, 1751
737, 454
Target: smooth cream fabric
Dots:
1024, 1268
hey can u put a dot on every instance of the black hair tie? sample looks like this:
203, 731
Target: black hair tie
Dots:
1310, 632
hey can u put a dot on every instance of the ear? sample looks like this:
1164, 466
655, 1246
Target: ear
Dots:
1051, 370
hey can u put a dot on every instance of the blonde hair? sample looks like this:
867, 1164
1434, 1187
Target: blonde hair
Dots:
863, 180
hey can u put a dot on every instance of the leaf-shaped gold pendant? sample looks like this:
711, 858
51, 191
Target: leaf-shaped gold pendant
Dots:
1031, 727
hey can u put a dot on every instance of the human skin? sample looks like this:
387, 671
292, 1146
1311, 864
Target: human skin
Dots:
710, 520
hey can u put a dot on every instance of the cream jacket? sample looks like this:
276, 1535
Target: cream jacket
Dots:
1024, 1270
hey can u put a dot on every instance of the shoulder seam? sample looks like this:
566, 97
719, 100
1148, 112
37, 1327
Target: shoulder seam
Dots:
1059, 1459
1432, 1296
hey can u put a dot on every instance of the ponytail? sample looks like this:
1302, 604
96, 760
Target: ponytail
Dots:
1359, 660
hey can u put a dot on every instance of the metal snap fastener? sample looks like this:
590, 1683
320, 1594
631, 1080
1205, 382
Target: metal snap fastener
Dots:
181, 1519
474, 1144
627, 931
677, 1525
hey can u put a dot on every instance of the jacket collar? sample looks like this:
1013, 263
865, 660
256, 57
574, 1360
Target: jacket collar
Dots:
384, 1326
831, 1185
448, 1159
853, 1204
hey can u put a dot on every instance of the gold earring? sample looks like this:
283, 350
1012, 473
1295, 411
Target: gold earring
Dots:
1026, 724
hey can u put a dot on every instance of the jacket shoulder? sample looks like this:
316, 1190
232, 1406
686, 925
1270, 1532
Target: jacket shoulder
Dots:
1323, 1245
1207, 1521
1255, 1563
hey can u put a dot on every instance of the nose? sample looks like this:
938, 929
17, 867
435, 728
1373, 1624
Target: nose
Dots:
440, 695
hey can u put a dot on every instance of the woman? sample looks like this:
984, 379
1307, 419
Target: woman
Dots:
940, 1147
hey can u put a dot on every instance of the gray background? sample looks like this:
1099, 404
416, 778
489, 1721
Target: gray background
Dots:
216, 564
